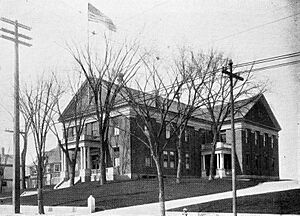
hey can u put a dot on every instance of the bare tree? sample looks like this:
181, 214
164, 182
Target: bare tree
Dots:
38, 102
189, 83
215, 93
155, 117
72, 121
24, 133
103, 75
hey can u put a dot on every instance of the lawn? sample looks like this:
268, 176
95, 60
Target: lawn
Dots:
128, 193
284, 202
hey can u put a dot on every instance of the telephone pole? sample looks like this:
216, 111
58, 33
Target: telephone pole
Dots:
231, 76
16, 139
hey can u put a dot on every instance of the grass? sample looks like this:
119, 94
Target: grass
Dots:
128, 193
284, 202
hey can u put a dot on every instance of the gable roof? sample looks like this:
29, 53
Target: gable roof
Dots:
242, 107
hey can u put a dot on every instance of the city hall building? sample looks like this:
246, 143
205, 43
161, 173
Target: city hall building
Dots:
256, 145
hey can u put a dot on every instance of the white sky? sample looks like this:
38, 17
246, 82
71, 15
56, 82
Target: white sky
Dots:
245, 30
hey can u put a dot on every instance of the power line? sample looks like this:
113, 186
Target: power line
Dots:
270, 59
256, 27
264, 60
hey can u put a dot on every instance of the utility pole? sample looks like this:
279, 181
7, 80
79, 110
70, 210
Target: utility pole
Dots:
16, 139
231, 76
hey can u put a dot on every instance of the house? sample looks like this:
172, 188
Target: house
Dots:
6, 171
52, 170
256, 144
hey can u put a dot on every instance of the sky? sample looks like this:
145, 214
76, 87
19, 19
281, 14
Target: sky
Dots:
244, 30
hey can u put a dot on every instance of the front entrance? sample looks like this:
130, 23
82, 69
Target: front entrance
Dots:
222, 165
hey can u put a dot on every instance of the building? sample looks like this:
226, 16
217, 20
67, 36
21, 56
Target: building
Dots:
52, 170
256, 144
6, 171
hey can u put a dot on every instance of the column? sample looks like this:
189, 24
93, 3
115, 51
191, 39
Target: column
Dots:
65, 163
218, 161
88, 158
84, 157
64, 171
81, 157
222, 161
221, 170
203, 159
203, 171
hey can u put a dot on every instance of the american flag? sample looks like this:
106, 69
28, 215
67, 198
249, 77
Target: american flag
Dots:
96, 16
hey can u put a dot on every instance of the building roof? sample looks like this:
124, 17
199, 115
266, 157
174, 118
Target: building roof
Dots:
242, 107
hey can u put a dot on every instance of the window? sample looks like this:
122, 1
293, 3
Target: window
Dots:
273, 163
172, 159
187, 161
223, 136
116, 131
256, 161
56, 167
88, 129
247, 160
256, 137
168, 131
70, 132
95, 129
266, 162
265, 139
165, 155
186, 136
148, 162
246, 136
272, 141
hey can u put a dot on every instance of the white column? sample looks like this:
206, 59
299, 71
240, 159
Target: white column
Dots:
81, 157
222, 161
218, 161
65, 163
203, 159
84, 157
88, 158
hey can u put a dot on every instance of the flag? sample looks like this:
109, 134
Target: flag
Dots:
95, 15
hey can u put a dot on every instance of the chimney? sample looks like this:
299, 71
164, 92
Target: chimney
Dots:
2, 150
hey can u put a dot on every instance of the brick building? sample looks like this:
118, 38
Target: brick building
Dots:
256, 144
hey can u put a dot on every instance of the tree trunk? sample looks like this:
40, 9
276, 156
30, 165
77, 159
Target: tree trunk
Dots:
102, 179
72, 173
0, 183
212, 158
40, 188
23, 161
161, 187
179, 161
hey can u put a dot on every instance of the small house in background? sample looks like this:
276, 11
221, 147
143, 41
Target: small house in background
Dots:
53, 168
6, 171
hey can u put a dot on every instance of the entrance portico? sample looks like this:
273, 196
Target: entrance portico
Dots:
83, 169
222, 160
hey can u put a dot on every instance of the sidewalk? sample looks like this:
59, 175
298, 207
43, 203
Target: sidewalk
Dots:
153, 208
